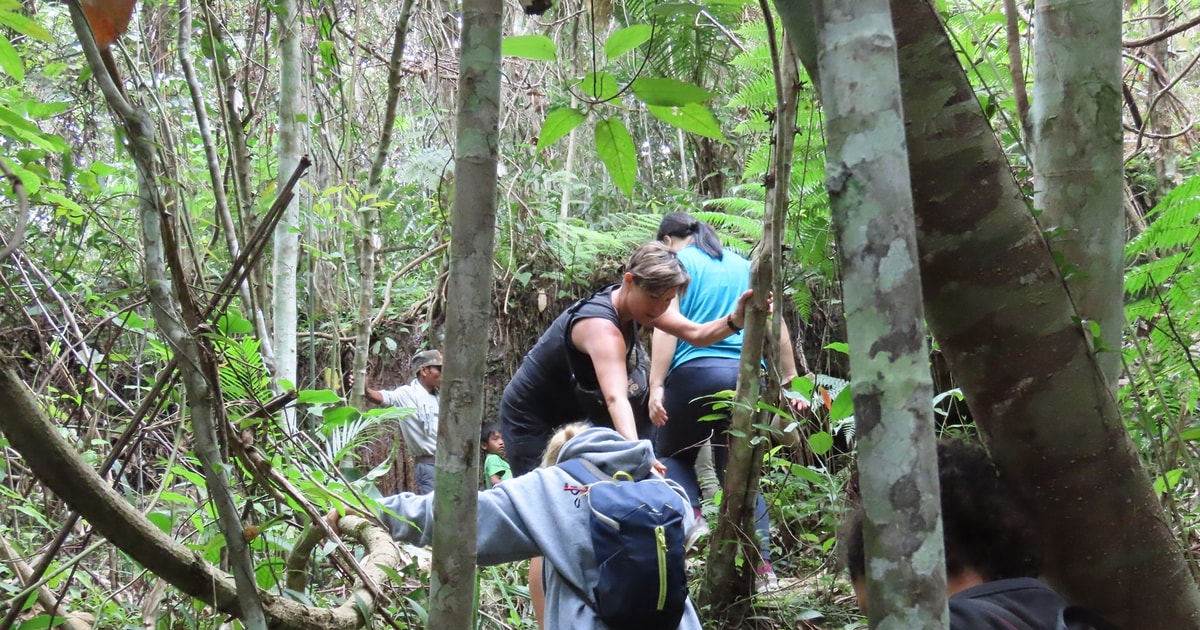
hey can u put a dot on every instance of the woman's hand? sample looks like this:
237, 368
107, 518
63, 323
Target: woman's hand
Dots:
658, 413
738, 317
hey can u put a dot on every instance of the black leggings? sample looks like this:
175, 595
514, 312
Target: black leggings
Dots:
687, 397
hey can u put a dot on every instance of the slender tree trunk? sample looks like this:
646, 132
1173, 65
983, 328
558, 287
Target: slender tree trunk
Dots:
220, 201
468, 315
1165, 168
370, 216
1076, 154
868, 183
176, 316
727, 587
291, 147
239, 166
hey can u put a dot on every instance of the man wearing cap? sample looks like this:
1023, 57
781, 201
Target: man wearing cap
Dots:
419, 427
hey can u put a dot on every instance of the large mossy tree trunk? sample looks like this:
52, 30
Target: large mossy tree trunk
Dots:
998, 306
867, 180
997, 303
468, 316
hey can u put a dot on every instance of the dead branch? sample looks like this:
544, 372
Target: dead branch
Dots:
63, 471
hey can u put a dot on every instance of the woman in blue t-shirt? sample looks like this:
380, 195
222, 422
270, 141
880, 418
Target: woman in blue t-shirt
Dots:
684, 377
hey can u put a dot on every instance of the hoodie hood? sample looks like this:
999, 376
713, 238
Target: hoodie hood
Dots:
610, 452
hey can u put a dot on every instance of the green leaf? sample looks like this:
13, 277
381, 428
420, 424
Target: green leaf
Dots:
820, 442
31, 181
1163, 483
232, 323
615, 146
559, 122
843, 406
318, 396
10, 61
337, 416
669, 92
39, 622
807, 474
692, 118
161, 519
538, 47
601, 86
25, 26
839, 346
626, 40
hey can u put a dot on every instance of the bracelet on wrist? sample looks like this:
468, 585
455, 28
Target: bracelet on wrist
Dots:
732, 326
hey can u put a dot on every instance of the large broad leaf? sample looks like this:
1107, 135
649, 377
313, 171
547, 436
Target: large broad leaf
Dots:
24, 25
537, 47
615, 146
666, 92
692, 118
626, 40
10, 61
601, 86
559, 122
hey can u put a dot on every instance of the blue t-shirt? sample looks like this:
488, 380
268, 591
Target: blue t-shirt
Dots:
712, 294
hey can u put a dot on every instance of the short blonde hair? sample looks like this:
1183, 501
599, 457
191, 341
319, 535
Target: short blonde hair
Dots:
559, 439
656, 268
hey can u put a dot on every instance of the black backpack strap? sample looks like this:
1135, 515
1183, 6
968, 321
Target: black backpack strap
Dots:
583, 471
572, 311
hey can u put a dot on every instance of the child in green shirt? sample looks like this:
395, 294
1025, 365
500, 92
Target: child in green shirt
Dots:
495, 467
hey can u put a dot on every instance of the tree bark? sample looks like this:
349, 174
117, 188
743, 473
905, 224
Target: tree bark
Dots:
468, 315
1076, 158
1165, 167
869, 193
996, 302
370, 215
291, 147
727, 586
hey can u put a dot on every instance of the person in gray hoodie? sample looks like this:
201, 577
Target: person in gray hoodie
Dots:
540, 514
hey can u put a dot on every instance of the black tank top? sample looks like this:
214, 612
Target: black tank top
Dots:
540, 396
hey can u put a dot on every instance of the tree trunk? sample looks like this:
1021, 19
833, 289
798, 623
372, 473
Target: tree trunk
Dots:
1076, 157
291, 147
1158, 108
727, 587
370, 216
468, 316
869, 193
995, 300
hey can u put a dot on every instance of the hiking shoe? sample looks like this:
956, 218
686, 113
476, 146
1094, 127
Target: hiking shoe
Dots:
766, 581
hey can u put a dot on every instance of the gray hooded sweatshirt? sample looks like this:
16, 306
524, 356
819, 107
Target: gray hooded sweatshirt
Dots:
540, 514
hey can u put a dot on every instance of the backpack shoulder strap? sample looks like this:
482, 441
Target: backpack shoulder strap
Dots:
573, 311
583, 471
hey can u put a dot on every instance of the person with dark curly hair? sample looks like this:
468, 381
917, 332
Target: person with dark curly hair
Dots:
991, 557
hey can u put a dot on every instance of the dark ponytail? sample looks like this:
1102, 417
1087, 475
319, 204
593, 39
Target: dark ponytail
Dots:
682, 225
